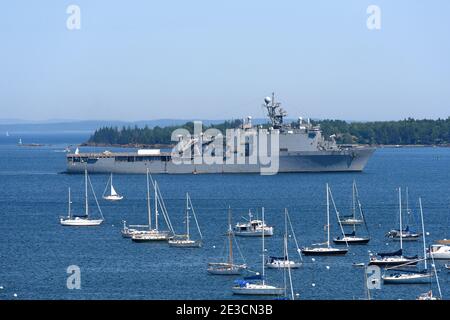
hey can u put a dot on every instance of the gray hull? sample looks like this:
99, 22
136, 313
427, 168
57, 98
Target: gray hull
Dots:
309, 161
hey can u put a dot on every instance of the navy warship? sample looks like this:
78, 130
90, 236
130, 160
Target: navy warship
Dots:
300, 147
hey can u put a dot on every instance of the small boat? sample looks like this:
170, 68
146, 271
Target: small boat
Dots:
256, 285
439, 251
352, 238
285, 262
326, 250
185, 241
358, 264
113, 195
153, 234
228, 267
404, 277
447, 266
352, 220
395, 258
410, 276
82, 220
252, 228
407, 234
443, 241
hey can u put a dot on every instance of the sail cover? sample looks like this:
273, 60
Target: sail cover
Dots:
391, 254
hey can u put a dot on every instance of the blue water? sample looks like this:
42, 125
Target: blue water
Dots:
35, 250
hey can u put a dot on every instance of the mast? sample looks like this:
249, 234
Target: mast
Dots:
230, 238
328, 217
354, 203
156, 206
149, 210
400, 209
112, 188
423, 233
289, 266
187, 215
69, 213
263, 280
86, 193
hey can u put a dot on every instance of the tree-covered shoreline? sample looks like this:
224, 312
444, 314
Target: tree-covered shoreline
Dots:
404, 132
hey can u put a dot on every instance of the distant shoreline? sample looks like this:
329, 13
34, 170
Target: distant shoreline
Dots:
167, 146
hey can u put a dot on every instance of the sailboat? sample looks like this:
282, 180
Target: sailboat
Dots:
154, 234
409, 276
185, 240
407, 233
395, 258
228, 267
352, 238
284, 262
112, 196
327, 249
439, 251
256, 285
82, 220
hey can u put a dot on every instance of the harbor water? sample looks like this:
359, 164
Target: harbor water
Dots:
35, 250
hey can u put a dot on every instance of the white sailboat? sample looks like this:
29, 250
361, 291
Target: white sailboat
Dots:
394, 258
228, 267
407, 234
113, 195
321, 250
257, 285
285, 262
408, 276
353, 220
185, 241
153, 234
84, 220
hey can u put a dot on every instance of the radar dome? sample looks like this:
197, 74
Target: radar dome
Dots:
267, 100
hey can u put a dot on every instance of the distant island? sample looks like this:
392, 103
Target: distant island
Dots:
404, 132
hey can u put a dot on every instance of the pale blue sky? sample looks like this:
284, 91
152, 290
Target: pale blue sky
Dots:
136, 60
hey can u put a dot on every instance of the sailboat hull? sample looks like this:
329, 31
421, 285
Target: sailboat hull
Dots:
324, 252
408, 278
351, 240
393, 262
185, 244
150, 236
225, 271
258, 291
113, 198
77, 222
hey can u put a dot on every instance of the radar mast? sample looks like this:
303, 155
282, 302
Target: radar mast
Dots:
274, 111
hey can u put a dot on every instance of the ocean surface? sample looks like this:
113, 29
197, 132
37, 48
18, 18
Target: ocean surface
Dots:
35, 250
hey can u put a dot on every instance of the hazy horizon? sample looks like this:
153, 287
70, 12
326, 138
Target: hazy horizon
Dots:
218, 60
